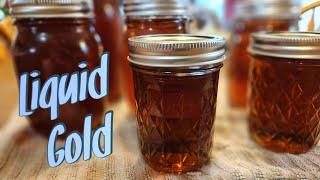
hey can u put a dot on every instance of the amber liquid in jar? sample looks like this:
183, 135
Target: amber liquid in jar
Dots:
51, 46
175, 116
146, 26
110, 26
239, 56
285, 103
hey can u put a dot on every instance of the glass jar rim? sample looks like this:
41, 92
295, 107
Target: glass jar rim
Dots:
296, 45
180, 72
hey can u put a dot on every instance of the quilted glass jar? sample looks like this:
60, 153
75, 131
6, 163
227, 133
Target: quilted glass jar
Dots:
146, 17
176, 80
251, 17
285, 91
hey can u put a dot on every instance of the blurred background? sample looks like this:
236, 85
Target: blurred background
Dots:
221, 17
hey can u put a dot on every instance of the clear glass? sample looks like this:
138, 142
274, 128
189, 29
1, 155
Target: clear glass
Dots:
175, 112
239, 56
57, 46
285, 103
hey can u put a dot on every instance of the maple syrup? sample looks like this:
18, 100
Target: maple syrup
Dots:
152, 17
250, 18
54, 40
176, 82
284, 99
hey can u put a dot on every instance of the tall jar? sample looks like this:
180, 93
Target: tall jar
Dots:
110, 26
53, 40
152, 17
285, 91
250, 17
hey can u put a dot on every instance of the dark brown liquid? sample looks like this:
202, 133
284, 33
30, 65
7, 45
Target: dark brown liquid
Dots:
57, 46
137, 27
285, 103
239, 57
175, 118
110, 26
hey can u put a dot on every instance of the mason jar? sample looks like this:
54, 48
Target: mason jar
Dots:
146, 17
285, 92
53, 40
251, 17
176, 83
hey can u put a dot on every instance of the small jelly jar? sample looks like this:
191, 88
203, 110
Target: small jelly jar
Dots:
146, 17
176, 80
285, 91
251, 17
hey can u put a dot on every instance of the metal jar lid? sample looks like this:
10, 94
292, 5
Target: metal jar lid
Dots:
177, 51
268, 8
292, 45
155, 8
51, 8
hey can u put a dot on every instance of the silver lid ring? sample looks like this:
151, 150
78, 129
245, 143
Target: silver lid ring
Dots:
176, 50
293, 45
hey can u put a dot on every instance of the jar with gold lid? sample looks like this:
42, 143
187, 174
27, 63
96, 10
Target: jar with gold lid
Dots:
285, 90
145, 17
251, 17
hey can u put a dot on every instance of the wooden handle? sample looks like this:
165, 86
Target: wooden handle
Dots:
307, 8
